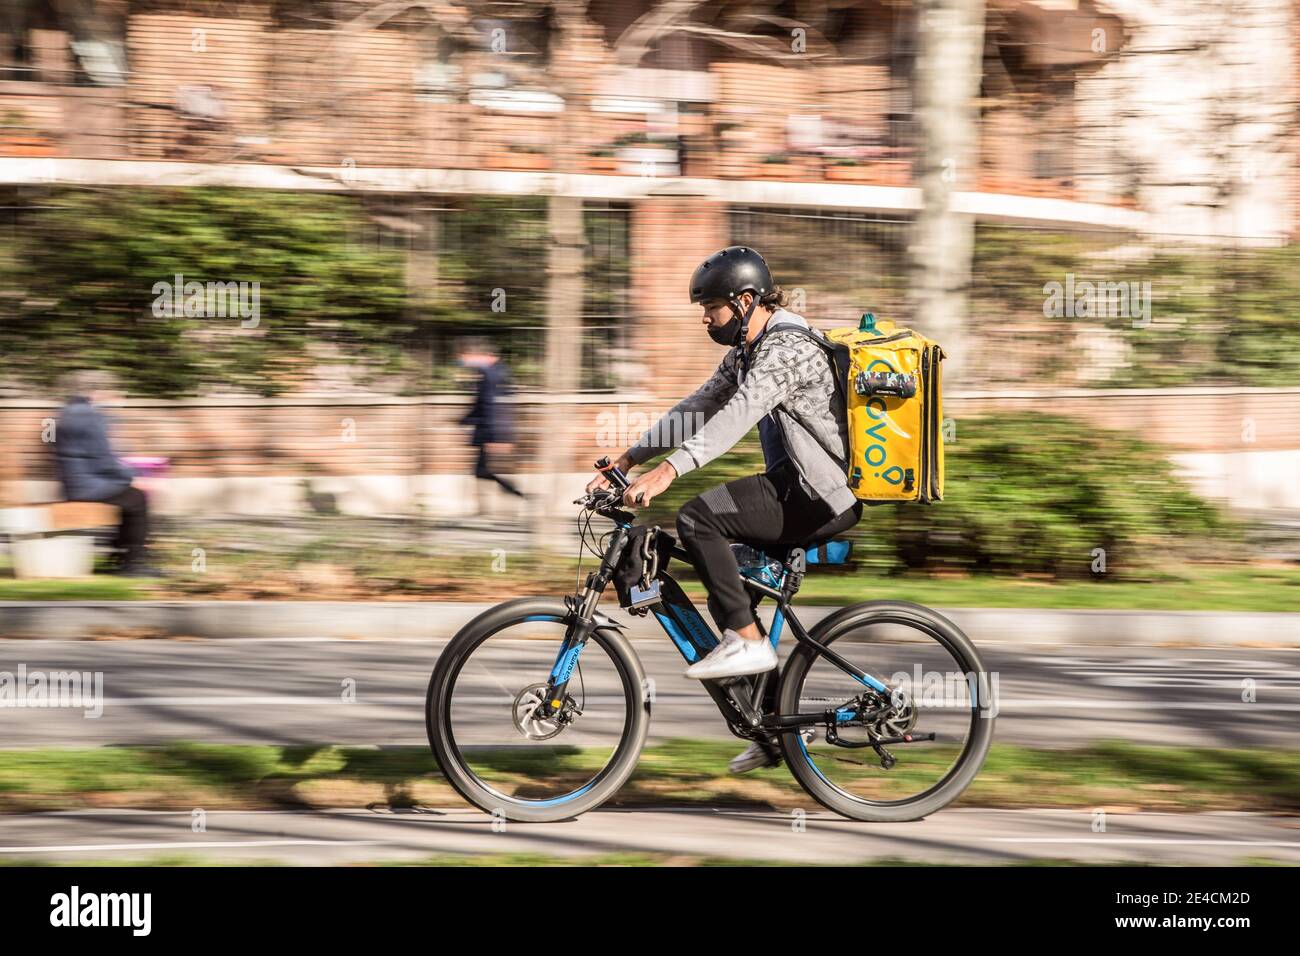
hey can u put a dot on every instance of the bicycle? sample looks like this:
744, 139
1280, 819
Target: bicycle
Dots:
524, 747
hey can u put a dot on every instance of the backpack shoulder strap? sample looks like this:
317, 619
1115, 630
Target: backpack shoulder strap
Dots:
837, 355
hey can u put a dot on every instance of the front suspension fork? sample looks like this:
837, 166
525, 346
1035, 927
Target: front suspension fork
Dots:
581, 620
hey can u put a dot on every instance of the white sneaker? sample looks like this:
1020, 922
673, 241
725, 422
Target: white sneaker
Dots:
734, 657
753, 757
756, 755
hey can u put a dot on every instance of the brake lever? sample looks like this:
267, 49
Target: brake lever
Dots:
594, 499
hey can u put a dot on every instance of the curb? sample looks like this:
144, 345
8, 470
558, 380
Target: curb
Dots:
432, 620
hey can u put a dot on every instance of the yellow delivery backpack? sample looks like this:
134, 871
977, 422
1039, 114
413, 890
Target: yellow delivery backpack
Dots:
890, 380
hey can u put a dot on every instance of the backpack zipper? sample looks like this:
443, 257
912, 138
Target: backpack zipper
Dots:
933, 412
923, 494
906, 333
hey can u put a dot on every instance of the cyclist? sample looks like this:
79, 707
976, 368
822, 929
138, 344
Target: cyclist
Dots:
784, 383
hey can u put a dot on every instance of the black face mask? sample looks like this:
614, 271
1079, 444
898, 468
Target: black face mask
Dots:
733, 332
728, 334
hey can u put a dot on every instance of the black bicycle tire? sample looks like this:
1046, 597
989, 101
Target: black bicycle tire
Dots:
438, 701
958, 777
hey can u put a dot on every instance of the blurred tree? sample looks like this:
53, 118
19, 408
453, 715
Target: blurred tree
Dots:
945, 91
78, 269
83, 270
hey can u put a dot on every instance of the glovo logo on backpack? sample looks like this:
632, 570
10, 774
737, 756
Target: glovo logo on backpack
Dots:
894, 406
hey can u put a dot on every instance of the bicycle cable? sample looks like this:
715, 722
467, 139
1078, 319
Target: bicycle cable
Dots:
577, 584
593, 548
583, 531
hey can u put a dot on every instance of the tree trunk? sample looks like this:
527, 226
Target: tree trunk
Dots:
564, 304
946, 86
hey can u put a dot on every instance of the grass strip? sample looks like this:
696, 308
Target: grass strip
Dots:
1114, 775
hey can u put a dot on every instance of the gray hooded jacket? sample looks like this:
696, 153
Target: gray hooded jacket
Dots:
789, 377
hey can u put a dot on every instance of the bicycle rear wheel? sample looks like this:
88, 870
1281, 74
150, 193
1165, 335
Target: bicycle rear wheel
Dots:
936, 684
494, 740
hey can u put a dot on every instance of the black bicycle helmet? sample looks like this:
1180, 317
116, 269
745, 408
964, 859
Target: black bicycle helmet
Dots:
726, 274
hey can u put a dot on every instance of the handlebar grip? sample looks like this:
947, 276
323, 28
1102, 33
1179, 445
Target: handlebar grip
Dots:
610, 470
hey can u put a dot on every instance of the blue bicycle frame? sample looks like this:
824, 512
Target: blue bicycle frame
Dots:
743, 701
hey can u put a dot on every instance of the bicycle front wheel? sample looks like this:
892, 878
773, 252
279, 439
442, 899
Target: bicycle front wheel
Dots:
497, 744
873, 758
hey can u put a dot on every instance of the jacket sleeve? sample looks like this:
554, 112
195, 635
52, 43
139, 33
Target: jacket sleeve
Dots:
677, 424
115, 466
775, 372
474, 415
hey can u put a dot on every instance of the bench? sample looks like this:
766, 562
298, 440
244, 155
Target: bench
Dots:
56, 540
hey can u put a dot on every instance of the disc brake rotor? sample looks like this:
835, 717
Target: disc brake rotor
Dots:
532, 714
900, 718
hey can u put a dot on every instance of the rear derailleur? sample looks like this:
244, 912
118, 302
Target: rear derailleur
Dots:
885, 720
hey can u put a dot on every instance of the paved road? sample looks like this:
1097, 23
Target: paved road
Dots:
292, 692
953, 836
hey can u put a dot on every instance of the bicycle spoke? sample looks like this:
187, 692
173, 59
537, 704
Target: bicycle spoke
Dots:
512, 741
930, 696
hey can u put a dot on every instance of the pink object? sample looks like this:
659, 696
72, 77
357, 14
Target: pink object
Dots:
147, 466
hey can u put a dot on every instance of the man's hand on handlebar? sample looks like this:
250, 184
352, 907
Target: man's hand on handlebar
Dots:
650, 485
600, 481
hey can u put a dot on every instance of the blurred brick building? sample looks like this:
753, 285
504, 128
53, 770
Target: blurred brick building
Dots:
725, 122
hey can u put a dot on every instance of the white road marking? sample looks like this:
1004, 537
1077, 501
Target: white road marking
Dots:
1150, 840
213, 844
362, 700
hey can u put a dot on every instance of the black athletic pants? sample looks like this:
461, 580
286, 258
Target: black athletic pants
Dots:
770, 512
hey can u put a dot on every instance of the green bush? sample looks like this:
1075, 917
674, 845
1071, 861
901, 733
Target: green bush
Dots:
1035, 493
1024, 493
79, 280
78, 268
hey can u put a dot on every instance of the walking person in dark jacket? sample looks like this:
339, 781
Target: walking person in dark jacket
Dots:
492, 423
90, 471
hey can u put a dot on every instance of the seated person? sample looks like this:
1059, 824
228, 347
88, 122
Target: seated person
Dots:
90, 471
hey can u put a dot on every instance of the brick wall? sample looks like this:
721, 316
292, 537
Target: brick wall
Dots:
225, 439
668, 239
326, 97
230, 57
399, 437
